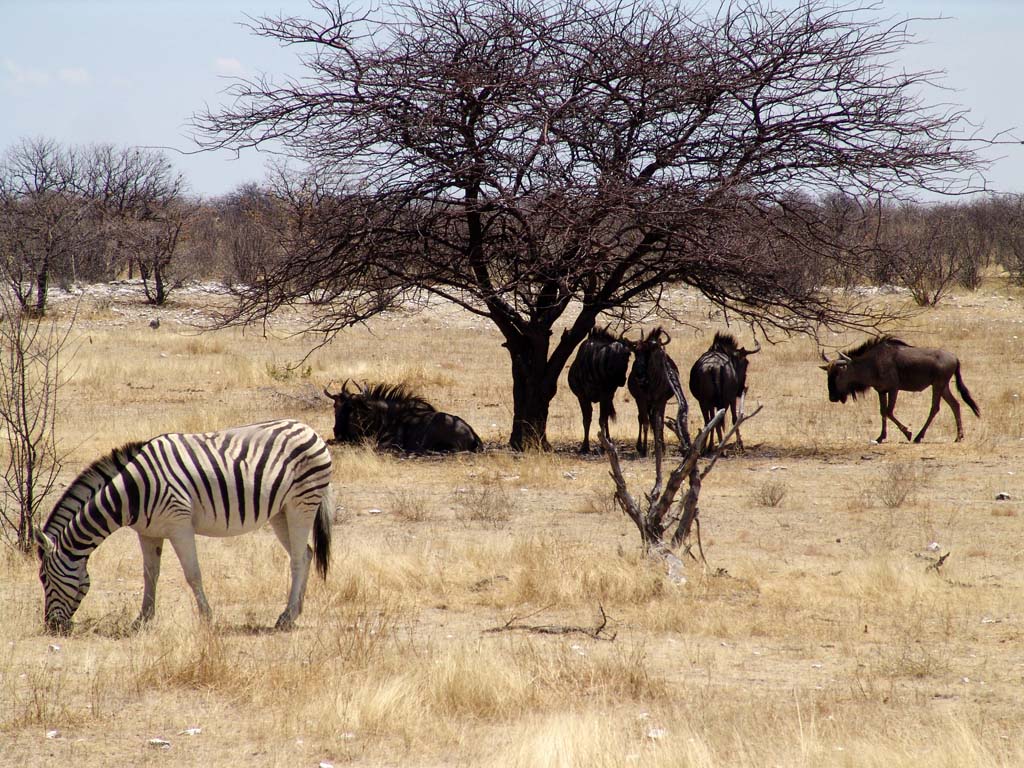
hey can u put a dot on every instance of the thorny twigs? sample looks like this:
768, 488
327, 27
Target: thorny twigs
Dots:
662, 529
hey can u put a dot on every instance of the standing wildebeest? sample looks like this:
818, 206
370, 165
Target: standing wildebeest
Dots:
398, 419
890, 365
719, 380
598, 370
653, 380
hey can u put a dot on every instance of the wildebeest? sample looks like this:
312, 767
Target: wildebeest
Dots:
598, 370
398, 419
653, 380
890, 365
718, 379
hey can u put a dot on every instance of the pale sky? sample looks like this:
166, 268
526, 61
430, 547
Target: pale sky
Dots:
133, 72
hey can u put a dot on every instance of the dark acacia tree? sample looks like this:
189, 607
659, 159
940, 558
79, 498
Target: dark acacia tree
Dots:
540, 162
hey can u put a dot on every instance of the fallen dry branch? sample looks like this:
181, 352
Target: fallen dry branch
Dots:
597, 632
663, 530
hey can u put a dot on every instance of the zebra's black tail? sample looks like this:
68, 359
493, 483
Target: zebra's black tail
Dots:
322, 536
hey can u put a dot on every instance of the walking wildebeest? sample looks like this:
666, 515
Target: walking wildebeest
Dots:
653, 380
398, 419
891, 365
598, 370
718, 379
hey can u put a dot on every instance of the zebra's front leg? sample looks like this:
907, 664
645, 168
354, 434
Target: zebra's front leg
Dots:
185, 548
152, 548
293, 537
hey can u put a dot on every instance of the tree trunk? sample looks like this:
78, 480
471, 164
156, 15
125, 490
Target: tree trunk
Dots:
533, 387
42, 286
535, 376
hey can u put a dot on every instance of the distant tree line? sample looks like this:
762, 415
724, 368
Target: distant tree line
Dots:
98, 213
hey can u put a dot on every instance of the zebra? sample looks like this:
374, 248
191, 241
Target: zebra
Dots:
398, 419
598, 370
653, 380
718, 379
176, 486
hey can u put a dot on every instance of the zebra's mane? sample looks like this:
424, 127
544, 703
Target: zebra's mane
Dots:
398, 395
724, 342
870, 344
88, 482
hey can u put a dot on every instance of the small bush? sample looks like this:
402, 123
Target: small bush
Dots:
491, 505
770, 493
406, 506
898, 484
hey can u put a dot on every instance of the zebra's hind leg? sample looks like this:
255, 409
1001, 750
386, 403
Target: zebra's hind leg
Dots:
293, 534
151, 550
184, 544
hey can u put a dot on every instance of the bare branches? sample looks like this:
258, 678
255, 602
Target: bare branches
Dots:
521, 157
597, 632
31, 372
663, 530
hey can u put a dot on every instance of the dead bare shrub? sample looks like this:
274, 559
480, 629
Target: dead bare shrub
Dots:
491, 505
770, 493
407, 506
897, 484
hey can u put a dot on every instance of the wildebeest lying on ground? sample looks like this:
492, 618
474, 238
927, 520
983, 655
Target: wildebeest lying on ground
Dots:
889, 365
398, 419
718, 379
653, 380
598, 370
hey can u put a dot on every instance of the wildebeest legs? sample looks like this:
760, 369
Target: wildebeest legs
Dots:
886, 405
945, 394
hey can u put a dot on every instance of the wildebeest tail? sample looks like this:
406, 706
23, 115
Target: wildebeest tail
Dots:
965, 393
322, 535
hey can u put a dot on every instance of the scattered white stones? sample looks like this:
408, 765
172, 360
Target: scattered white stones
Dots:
934, 546
53, 734
193, 731
1002, 496
53, 648
373, 511
325, 764
159, 743
656, 733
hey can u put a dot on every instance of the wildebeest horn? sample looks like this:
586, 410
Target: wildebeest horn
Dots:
667, 338
755, 350
824, 356
363, 388
845, 358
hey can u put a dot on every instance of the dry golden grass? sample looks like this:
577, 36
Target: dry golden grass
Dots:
825, 640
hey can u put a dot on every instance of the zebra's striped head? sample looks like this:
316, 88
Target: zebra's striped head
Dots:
65, 585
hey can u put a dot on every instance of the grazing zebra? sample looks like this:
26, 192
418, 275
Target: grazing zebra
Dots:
718, 379
653, 380
175, 486
598, 370
398, 419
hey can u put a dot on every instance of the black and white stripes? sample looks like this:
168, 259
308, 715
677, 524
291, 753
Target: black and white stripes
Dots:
178, 485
